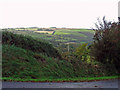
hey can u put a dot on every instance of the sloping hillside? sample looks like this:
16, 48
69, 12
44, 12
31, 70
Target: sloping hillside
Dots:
24, 57
22, 63
29, 43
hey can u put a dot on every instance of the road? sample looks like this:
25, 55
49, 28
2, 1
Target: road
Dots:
93, 84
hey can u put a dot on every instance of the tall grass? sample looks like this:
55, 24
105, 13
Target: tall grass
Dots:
21, 63
25, 64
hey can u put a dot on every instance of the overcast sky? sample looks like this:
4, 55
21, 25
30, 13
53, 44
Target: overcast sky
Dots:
56, 13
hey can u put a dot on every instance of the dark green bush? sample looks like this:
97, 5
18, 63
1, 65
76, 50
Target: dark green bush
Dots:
29, 43
106, 46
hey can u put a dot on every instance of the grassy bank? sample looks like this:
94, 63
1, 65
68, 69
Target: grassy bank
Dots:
29, 43
27, 59
25, 64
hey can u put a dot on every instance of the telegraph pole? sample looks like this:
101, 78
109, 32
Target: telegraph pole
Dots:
68, 47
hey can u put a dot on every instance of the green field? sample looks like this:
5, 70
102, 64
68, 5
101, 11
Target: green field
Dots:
60, 36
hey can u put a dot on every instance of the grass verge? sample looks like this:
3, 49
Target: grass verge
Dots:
83, 79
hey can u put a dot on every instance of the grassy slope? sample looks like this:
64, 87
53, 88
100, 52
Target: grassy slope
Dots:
24, 64
29, 43
18, 62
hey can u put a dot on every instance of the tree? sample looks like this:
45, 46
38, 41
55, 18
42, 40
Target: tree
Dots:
106, 46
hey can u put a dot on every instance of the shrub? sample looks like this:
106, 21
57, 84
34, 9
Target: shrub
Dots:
82, 52
106, 46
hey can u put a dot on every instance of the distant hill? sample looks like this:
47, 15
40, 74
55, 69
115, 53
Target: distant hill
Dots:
61, 35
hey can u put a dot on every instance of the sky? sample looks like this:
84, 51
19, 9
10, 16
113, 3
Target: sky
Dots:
56, 13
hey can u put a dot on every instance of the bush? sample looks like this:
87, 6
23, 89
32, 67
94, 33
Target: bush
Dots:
106, 46
29, 43
82, 52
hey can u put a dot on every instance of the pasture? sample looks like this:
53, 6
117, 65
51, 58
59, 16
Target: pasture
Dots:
60, 35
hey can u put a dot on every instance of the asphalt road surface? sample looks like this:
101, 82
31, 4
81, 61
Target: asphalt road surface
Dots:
94, 84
